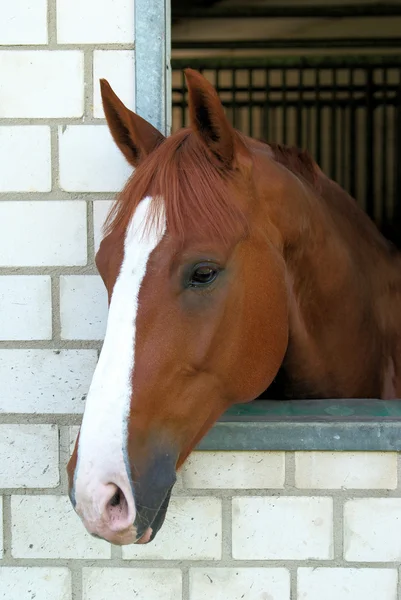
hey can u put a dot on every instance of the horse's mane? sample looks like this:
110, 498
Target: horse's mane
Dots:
187, 186
298, 161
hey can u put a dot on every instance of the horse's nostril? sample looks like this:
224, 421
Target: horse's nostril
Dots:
115, 501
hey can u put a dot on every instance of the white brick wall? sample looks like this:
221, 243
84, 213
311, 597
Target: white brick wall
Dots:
23, 22
241, 525
83, 307
346, 470
372, 529
146, 584
241, 470
25, 160
47, 527
116, 66
95, 22
29, 456
45, 381
192, 531
282, 528
239, 583
26, 307
347, 584
35, 583
38, 234
90, 161
44, 84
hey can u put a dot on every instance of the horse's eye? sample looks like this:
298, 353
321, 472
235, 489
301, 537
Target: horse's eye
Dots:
203, 275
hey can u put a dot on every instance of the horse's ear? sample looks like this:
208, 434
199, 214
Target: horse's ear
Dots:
207, 117
135, 137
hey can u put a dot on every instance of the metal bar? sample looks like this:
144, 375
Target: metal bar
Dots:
369, 161
271, 12
333, 127
284, 106
152, 62
250, 111
384, 158
318, 118
289, 62
352, 137
397, 156
277, 44
300, 110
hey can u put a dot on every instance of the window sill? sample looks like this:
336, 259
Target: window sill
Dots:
342, 425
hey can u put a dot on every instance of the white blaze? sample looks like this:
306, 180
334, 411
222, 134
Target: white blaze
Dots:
102, 449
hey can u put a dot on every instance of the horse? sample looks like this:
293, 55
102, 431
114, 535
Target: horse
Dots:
234, 268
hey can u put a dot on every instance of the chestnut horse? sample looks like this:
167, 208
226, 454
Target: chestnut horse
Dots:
232, 267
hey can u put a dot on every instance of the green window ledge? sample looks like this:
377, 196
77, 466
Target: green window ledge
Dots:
341, 425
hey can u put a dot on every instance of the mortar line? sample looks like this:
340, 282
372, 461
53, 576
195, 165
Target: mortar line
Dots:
226, 525
90, 235
185, 582
289, 465
56, 316
7, 527
338, 528
76, 582
64, 456
54, 157
88, 87
51, 25
293, 582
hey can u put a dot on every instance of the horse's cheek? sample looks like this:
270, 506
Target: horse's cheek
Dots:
264, 329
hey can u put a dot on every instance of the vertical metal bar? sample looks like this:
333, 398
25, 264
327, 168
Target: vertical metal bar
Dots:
343, 142
266, 119
284, 104
397, 154
369, 161
250, 107
384, 185
234, 95
318, 150
300, 108
152, 62
333, 127
352, 136
183, 100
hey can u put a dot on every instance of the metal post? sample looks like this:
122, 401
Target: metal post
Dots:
152, 62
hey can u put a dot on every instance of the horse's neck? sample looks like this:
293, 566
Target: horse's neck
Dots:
345, 303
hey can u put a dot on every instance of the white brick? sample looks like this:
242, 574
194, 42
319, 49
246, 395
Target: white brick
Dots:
192, 530
28, 456
372, 529
347, 584
240, 470
28, 583
72, 437
346, 470
237, 584
101, 209
25, 159
90, 161
26, 307
1, 527
286, 528
47, 527
42, 233
45, 381
117, 66
23, 22
83, 307
39, 84
95, 21
127, 584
